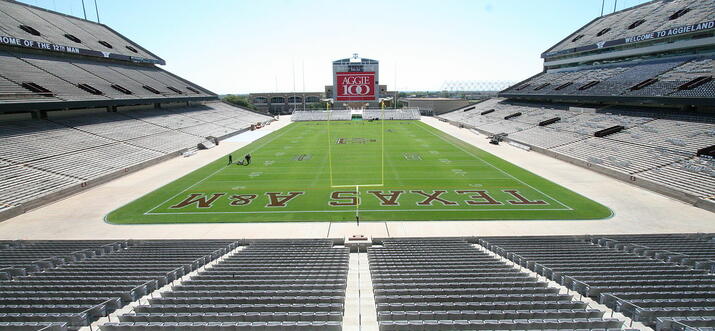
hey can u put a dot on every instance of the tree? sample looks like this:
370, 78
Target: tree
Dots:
241, 101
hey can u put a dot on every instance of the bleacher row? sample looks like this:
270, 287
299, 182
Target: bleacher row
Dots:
39, 78
448, 284
654, 16
391, 114
657, 146
269, 285
345, 115
266, 285
663, 281
70, 284
677, 77
333, 115
41, 157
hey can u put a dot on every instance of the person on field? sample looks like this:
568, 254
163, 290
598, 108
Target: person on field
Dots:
248, 159
230, 159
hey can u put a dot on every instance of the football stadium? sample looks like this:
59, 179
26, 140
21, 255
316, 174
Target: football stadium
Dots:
580, 198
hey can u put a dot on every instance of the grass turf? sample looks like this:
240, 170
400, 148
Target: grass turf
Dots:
404, 170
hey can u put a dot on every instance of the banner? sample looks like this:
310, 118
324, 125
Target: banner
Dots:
639, 38
18, 42
355, 86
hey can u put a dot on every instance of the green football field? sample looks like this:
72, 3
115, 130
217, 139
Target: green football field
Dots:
377, 170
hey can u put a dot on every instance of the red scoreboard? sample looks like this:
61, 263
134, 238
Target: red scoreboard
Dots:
355, 86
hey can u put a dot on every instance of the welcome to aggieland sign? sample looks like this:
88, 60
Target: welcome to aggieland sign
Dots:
355, 86
703, 26
19, 42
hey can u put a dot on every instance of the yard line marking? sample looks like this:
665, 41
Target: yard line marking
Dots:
213, 173
495, 167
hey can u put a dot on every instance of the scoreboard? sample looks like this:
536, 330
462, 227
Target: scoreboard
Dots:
355, 86
355, 80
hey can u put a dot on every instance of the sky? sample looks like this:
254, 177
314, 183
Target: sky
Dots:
243, 46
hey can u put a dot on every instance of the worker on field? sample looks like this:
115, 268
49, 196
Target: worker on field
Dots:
248, 158
230, 159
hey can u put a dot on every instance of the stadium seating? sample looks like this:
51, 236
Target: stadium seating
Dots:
391, 114
656, 146
21, 257
268, 285
418, 283
345, 115
695, 176
73, 283
703, 323
619, 156
622, 80
39, 158
620, 272
447, 284
696, 250
334, 115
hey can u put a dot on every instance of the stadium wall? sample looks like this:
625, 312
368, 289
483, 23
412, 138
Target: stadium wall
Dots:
640, 182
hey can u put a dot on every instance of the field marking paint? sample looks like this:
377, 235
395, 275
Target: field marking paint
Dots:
348, 211
354, 185
495, 167
212, 174
254, 180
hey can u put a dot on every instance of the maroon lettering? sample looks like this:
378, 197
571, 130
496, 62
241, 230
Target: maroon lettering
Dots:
433, 197
276, 199
346, 198
483, 196
199, 199
242, 199
387, 199
521, 199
